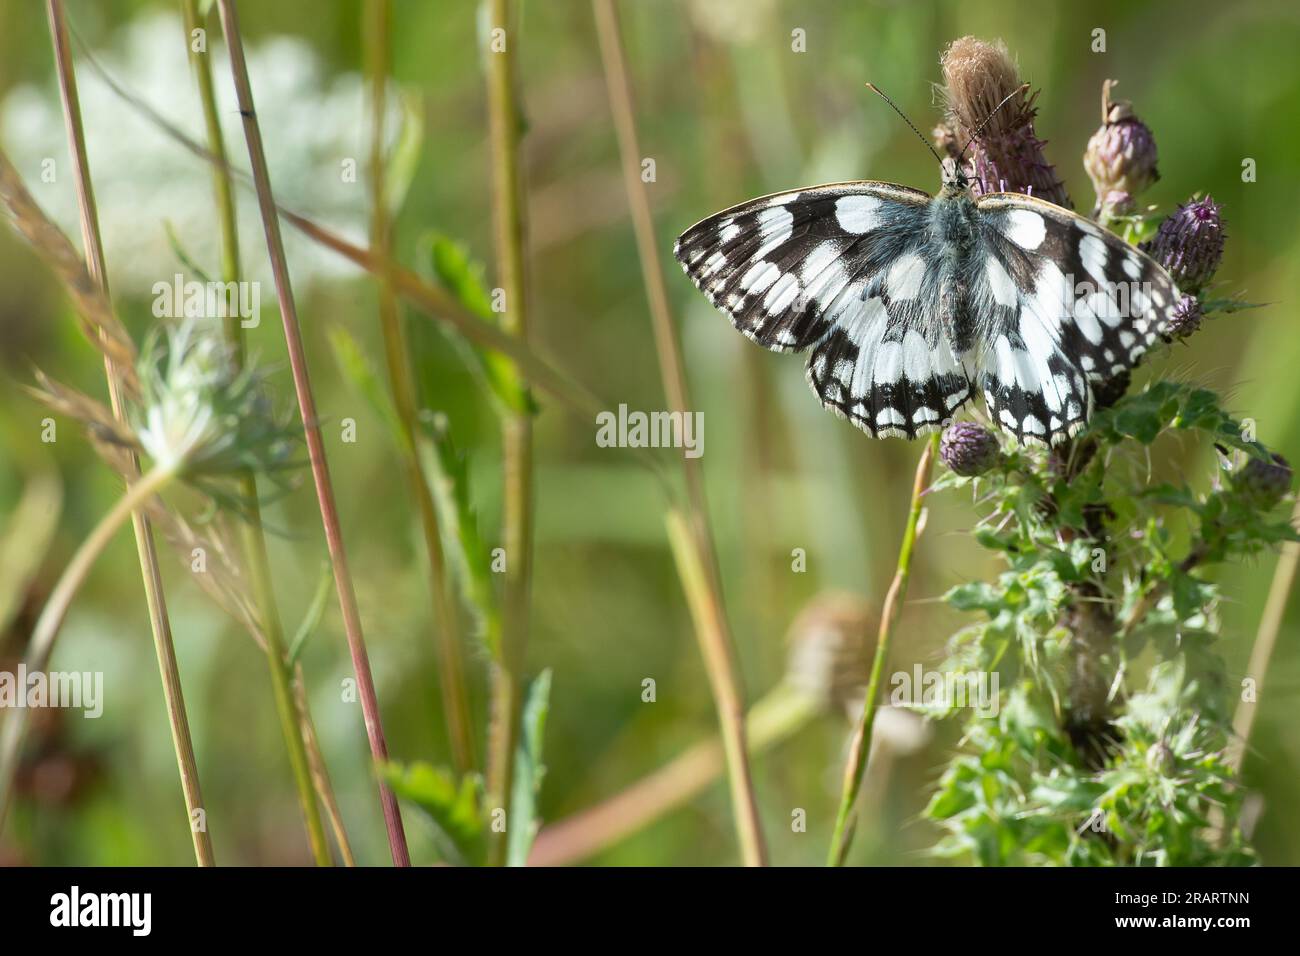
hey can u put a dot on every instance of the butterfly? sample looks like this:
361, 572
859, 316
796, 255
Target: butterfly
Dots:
911, 303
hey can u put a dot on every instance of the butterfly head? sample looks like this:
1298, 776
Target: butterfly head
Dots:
955, 182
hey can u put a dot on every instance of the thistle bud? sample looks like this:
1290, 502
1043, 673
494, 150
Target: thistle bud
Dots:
1186, 318
1121, 156
1263, 482
1189, 244
969, 449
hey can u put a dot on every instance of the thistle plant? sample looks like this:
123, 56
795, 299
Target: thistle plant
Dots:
1110, 743
198, 420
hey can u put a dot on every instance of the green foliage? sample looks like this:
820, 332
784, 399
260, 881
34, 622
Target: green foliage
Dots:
454, 808
462, 276
529, 771
1102, 608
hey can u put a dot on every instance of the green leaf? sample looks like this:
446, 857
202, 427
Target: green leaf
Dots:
358, 370
462, 277
456, 810
315, 611
446, 471
529, 772
406, 152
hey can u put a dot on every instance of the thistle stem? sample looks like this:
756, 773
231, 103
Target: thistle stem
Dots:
251, 532
691, 535
860, 746
447, 634
55, 612
160, 624
505, 125
311, 427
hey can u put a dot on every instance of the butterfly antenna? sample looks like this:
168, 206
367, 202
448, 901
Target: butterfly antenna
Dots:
875, 89
994, 112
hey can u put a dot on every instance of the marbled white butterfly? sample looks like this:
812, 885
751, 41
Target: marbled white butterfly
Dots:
911, 303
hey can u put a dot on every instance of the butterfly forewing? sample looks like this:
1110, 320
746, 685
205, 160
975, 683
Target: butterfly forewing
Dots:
845, 268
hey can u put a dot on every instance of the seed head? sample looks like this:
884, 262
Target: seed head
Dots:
1007, 156
1186, 318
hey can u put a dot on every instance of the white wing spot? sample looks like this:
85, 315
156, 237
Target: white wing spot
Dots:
782, 295
759, 276
890, 416
1026, 228
905, 277
1004, 290
1092, 252
858, 214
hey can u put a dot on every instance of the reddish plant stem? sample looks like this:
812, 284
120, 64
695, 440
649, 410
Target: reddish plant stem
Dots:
311, 428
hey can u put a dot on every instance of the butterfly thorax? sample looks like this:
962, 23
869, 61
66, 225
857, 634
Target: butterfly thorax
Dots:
953, 232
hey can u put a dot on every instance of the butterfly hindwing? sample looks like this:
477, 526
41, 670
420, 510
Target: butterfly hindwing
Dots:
1058, 303
842, 267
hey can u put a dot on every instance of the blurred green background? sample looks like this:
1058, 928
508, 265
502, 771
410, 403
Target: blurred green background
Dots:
727, 111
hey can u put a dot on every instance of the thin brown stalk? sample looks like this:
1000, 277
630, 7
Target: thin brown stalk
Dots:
773, 719
1270, 626
448, 638
319, 771
254, 539
505, 124
311, 427
160, 624
695, 551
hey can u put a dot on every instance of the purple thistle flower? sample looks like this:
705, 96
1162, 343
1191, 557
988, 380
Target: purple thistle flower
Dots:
1007, 157
1189, 243
1121, 155
1263, 482
969, 449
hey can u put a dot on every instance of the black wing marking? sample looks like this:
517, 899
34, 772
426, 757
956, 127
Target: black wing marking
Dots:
843, 267
1058, 303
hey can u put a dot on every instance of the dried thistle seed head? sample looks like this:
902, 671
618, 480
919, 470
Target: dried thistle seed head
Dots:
831, 643
969, 449
1008, 156
1121, 155
203, 415
1189, 243
1263, 482
1186, 318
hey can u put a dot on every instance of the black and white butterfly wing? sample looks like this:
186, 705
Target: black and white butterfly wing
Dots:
842, 268
1058, 303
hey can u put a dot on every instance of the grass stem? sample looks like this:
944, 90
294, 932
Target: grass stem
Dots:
160, 623
860, 747
311, 427
505, 124
251, 531
55, 612
693, 544
448, 638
